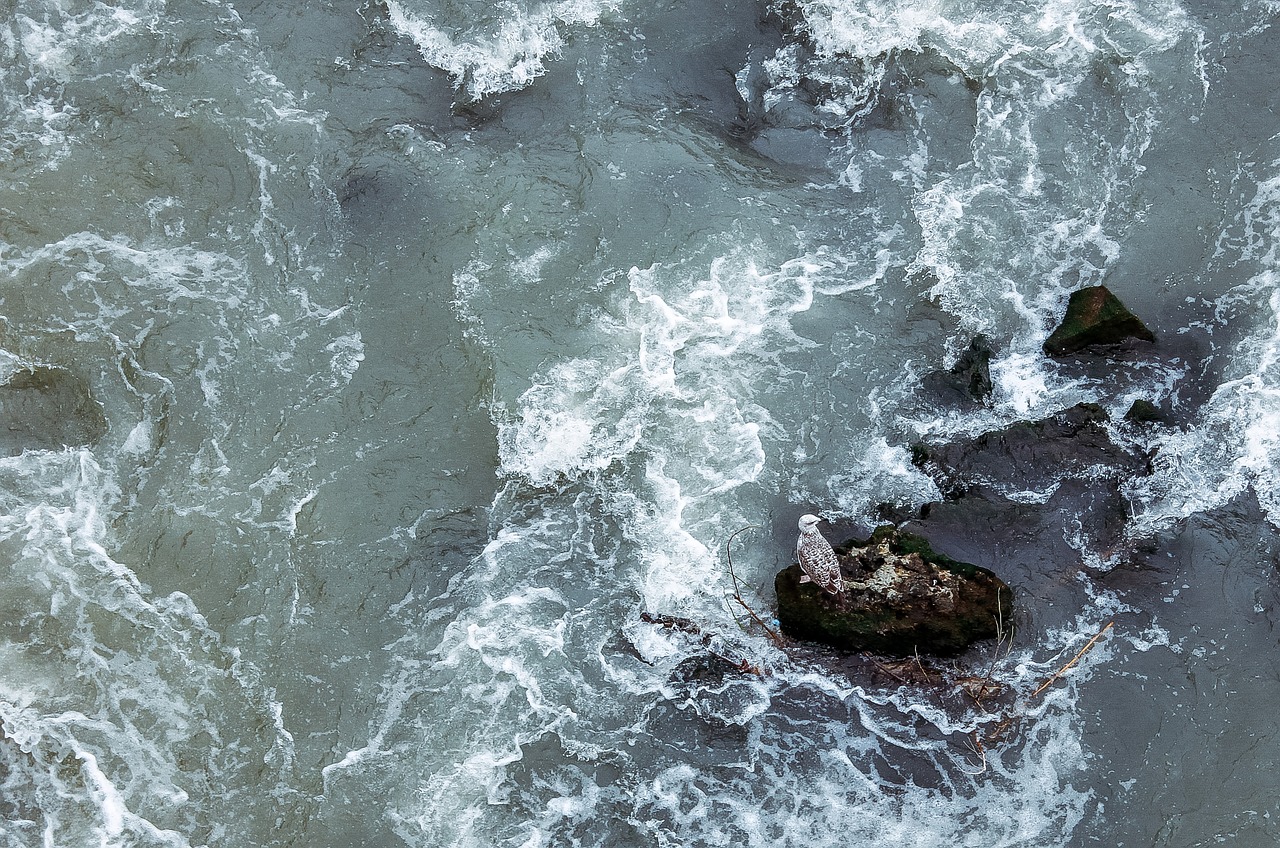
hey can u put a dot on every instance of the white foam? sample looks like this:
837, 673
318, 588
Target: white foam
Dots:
874, 28
139, 441
832, 793
41, 52
170, 275
348, 353
566, 427
585, 415
528, 270
117, 685
883, 473
488, 56
56, 42
1004, 257
672, 406
1234, 443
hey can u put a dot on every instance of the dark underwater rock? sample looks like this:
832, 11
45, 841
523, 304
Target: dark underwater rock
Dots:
1144, 412
1095, 317
1032, 455
968, 382
900, 597
46, 408
1030, 497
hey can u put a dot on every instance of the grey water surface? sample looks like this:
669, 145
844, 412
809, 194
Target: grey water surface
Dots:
371, 369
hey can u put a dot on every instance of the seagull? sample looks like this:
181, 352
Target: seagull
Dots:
816, 557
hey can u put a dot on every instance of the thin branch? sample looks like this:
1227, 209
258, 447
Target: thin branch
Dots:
919, 662
886, 670
995, 656
978, 748
737, 591
1074, 660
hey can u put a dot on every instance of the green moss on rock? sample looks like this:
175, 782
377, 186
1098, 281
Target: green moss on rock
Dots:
1095, 317
1144, 412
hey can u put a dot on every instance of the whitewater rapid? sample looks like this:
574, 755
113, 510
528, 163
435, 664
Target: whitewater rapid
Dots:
421, 359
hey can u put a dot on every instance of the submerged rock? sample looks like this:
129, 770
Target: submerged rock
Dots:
968, 382
1032, 455
1040, 500
46, 408
1095, 317
900, 597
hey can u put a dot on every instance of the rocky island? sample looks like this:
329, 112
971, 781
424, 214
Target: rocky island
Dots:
899, 597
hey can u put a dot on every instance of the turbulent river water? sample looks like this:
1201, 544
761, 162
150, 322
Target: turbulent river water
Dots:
377, 375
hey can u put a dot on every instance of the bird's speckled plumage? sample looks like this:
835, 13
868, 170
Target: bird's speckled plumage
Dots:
816, 557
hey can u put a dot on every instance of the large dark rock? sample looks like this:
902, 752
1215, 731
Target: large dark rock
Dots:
1095, 317
45, 408
900, 597
1066, 464
1145, 412
1032, 455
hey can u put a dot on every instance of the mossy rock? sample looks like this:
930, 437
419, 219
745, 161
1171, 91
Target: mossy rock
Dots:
900, 597
1095, 317
1144, 412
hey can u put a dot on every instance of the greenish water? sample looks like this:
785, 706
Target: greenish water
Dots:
436, 342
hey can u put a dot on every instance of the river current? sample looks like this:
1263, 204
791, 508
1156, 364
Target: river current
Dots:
380, 378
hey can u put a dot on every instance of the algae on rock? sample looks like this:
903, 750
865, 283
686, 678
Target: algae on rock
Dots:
1095, 317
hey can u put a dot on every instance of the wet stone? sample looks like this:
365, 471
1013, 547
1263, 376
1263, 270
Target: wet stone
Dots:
1095, 318
1063, 471
1144, 412
1032, 455
900, 597
968, 382
44, 408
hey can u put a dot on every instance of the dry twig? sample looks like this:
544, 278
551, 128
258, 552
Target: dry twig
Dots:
995, 655
887, 670
978, 748
737, 591
1074, 660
